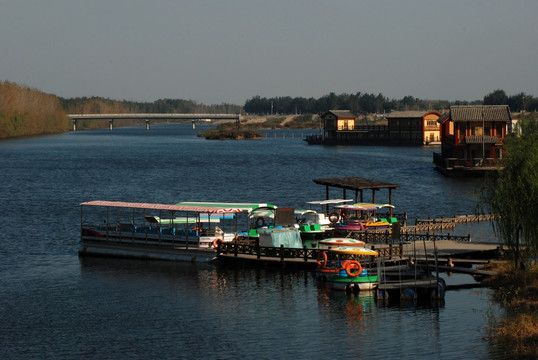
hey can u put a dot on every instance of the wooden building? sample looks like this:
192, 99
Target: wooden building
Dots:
339, 128
404, 128
414, 127
472, 139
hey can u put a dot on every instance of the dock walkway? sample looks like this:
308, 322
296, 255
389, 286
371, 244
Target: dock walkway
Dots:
449, 252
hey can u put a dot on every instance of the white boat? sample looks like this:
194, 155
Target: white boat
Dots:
338, 242
156, 231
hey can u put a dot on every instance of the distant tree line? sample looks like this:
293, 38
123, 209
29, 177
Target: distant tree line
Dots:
364, 103
359, 103
98, 105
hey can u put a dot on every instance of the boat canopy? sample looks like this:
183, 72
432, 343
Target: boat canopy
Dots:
363, 207
328, 202
150, 206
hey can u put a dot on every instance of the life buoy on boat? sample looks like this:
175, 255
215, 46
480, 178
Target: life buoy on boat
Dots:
352, 264
260, 221
333, 217
216, 242
322, 259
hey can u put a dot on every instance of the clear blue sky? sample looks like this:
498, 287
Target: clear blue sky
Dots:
215, 51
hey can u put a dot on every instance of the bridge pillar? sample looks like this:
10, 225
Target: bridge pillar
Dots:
74, 124
110, 124
194, 124
147, 124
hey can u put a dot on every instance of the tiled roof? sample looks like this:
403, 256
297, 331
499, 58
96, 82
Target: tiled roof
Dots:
480, 112
341, 113
407, 114
443, 118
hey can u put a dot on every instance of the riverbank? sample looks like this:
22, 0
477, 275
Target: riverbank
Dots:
249, 127
517, 292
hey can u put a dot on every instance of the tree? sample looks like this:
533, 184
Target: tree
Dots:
512, 196
519, 102
497, 97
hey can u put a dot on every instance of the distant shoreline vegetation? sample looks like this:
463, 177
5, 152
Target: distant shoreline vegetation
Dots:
249, 130
27, 112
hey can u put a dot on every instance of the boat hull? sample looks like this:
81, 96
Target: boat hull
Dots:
150, 252
356, 283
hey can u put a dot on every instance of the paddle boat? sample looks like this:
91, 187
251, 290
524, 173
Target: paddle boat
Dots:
341, 268
314, 224
338, 242
359, 216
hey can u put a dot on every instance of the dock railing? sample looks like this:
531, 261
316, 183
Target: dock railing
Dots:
386, 236
283, 254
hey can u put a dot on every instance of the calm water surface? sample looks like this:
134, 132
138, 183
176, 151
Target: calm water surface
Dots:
55, 305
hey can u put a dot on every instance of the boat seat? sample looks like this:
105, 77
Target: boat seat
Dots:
316, 227
253, 233
383, 220
393, 220
305, 228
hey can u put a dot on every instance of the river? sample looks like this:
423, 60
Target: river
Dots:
55, 305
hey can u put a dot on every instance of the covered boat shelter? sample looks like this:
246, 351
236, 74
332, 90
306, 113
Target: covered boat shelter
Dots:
358, 185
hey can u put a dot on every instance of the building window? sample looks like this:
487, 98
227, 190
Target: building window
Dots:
499, 130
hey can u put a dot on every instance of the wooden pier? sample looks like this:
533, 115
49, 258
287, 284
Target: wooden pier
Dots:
443, 223
447, 252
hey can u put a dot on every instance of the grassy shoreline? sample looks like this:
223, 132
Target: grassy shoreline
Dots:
517, 292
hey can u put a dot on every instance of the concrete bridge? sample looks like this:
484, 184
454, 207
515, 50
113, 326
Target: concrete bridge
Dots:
148, 117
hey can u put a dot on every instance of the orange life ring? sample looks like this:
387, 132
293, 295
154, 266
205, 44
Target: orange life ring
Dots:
216, 242
322, 259
352, 264
335, 216
260, 221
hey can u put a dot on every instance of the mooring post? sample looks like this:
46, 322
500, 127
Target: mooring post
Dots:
74, 124
110, 124
147, 124
282, 252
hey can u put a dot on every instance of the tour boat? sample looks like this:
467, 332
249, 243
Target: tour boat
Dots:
186, 232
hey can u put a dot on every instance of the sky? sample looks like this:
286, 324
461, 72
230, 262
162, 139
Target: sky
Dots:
216, 51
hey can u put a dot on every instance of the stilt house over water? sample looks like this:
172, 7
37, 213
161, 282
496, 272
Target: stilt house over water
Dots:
414, 127
404, 128
472, 139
